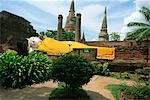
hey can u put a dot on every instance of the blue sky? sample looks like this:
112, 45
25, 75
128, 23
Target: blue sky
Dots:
43, 13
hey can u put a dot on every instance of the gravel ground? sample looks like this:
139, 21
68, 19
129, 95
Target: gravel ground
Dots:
95, 88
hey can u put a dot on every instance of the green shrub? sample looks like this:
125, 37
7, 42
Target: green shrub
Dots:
72, 69
101, 69
11, 70
125, 75
17, 71
68, 94
139, 92
119, 75
38, 67
143, 76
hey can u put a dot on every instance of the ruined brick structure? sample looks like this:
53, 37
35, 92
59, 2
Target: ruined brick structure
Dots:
78, 28
111, 43
73, 24
14, 28
128, 54
59, 28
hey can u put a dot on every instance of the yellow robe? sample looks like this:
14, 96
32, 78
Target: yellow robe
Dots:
54, 47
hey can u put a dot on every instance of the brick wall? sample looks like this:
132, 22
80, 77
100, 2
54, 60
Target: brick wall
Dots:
111, 43
131, 56
128, 54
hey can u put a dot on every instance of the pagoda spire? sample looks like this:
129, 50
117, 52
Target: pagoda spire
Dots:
103, 36
83, 38
72, 9
71, 20
104, 24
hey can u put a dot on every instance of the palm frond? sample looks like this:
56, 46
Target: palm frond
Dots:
135, 34
138, 24
132, 37
146, 12
143, 28
144, 34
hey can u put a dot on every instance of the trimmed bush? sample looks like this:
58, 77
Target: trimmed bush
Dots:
72, 69
67, 93
17, 71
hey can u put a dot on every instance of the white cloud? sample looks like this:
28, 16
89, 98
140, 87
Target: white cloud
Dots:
140, 3
125, 29
53, 7
135, 16
91, 17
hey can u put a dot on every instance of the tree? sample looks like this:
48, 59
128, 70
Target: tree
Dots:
72, 69
51, 33
66, 36
115, 36
143, 29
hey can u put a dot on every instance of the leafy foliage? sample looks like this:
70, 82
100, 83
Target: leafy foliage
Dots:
143, 76
125, 75
72, 69
11, 70
68, 36
101, 69
143, 29
139, 92
119, 75
17, 71
115, 36
38, 67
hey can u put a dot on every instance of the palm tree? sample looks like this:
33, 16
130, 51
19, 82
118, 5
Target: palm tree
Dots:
143, 29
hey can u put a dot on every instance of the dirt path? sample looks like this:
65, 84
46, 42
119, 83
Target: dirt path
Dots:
98, 84
95, 88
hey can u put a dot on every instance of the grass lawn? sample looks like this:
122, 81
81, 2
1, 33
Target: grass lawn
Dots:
115, 90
